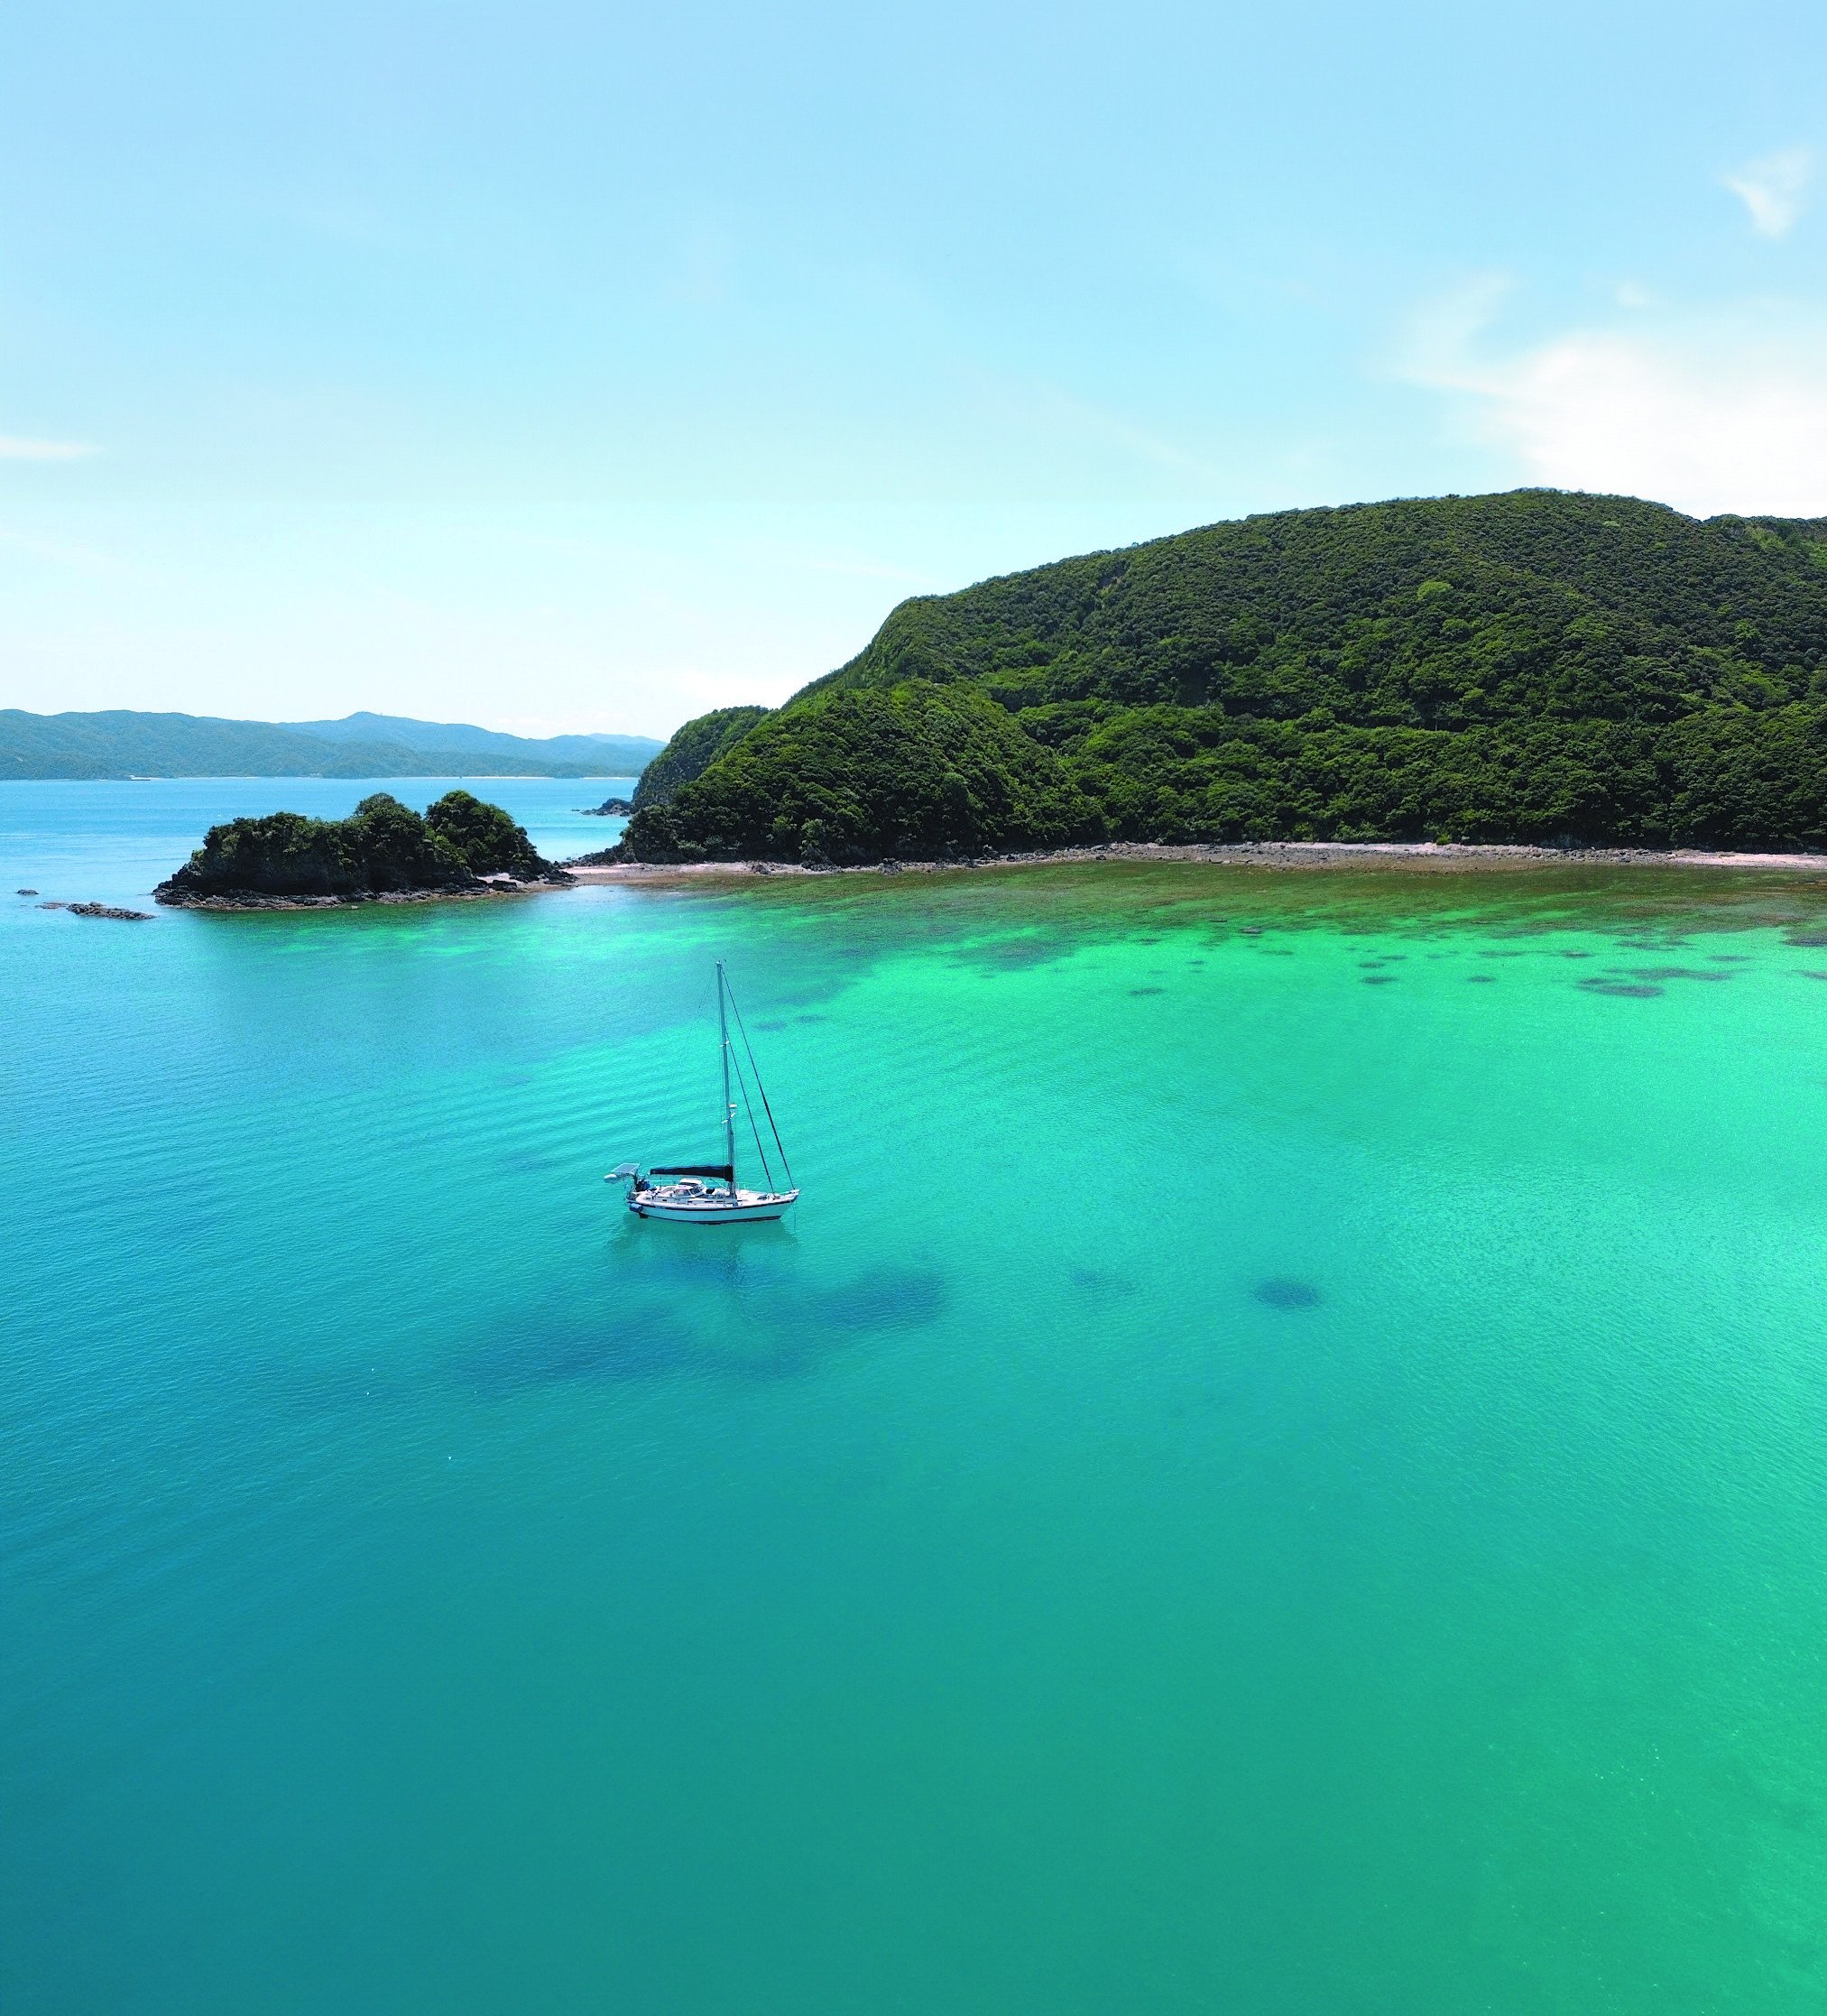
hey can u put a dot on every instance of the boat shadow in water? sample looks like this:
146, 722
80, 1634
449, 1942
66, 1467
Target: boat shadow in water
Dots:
715, 1317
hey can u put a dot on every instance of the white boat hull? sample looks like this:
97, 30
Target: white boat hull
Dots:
747, 1206
688, 1198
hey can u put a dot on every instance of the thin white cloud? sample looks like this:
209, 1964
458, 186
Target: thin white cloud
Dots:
63, 553
1772, 187
1723, 414
1065, 417
1437, 348
14, 448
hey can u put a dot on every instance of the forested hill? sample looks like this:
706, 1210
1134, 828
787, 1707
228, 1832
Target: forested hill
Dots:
1440, 612
124, 743
1536, 665
692, 751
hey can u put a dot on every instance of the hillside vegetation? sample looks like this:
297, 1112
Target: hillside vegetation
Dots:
692, 751
1535, 666
383, 848
122, 743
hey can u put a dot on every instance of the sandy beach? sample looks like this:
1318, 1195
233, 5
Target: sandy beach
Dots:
1426, 855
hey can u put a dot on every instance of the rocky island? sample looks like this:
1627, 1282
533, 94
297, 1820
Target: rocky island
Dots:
384, 852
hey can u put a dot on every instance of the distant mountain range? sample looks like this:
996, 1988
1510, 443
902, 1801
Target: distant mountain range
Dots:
121, 743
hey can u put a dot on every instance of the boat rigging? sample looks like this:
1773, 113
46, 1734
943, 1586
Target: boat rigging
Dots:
707, 1193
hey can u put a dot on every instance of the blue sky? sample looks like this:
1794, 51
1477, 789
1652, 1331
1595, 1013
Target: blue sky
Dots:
560, 367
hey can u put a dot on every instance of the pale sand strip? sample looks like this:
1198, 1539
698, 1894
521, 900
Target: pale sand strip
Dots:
1425, 855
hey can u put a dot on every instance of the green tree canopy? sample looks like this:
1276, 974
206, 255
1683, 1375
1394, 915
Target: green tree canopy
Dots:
1536, 665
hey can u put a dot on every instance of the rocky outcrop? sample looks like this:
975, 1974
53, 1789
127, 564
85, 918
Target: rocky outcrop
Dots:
384, 852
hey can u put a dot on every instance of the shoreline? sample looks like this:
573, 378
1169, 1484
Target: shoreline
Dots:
1296, 856
252, 899
1435, 856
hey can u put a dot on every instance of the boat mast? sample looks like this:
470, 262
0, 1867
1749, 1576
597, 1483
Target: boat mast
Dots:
729, 1105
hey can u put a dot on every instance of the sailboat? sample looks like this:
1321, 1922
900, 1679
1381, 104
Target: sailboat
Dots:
707, 1193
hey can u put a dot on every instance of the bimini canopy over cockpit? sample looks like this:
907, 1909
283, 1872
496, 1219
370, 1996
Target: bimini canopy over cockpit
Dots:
724, 1172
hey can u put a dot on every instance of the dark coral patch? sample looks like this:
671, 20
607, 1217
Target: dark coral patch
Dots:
1630, 990
1014, 955
1096, 1281
887, 1298
1148, 990
769, 1338
1282, 1293
1379, 979
1482, 979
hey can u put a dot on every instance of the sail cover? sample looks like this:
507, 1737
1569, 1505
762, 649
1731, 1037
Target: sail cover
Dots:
697, 1169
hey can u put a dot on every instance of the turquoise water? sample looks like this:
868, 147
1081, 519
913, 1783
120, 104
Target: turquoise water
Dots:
106, 842
1279, 1468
